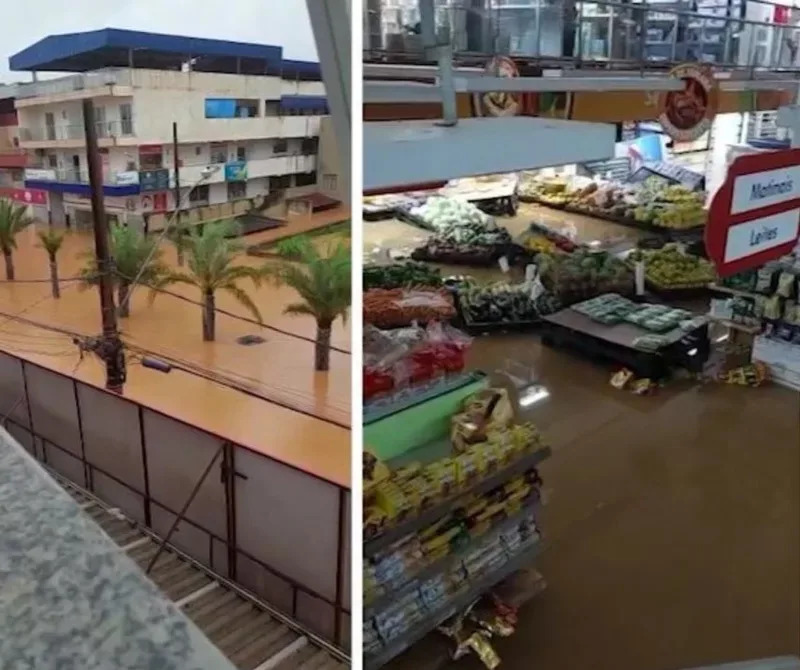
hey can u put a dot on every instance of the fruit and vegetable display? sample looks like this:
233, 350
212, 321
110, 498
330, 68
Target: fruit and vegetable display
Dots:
399, 275
542, 239
611, 309
400, 359
504, 303
459, 222
584, 274
653, 203
395, 308
440, 250
670, 267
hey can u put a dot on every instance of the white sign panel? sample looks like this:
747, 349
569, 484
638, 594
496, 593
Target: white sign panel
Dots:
762, 189
126, 178
753, 237
41, 174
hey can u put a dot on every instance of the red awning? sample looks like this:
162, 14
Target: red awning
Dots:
318, 201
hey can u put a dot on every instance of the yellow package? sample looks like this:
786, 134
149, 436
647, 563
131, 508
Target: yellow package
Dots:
467, 470
374, 471
491, 405
375, 521
407, 472
444, 475
393, 502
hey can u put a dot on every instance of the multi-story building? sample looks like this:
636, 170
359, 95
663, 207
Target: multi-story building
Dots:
13, 159
246, 124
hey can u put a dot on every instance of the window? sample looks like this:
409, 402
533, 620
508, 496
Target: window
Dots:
198, 150
151, 161
52, 161
280, 147
305, 179
280, 182
219, 152
329, 182
125, 119
309, 146
130, 166
241, 154
272, 108
50, 125
199, 194
237, 190
230, 108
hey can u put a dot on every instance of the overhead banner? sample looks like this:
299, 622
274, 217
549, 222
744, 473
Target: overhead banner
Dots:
755, 215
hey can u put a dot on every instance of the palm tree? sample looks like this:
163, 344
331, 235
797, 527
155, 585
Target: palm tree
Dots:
13, 218
210, 259
51, 240
134, 257
178, 234
323, 283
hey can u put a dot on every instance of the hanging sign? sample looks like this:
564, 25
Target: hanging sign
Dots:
686, 115
499, 103
755, 215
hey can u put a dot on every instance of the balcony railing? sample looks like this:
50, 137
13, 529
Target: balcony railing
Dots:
62, 132
606, 32
76, 82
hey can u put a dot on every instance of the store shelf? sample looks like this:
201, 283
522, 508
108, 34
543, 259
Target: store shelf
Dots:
445, 564
439, 510
380, 409
453, 606
733, 291
753, 330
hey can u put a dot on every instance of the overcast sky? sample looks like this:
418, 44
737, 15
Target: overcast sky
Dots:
279, 22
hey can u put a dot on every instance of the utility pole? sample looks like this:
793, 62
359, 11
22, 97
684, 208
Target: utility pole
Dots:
109, 347
177, 167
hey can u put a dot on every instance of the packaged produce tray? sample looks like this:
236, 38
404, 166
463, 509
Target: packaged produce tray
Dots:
473, 255
476, 327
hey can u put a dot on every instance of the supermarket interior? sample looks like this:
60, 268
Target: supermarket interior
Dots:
581, 335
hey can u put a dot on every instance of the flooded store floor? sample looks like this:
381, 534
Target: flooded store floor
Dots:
672, 522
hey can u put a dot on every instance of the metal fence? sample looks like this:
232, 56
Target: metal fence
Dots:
281, 533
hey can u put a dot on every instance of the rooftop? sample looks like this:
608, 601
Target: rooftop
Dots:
114, 47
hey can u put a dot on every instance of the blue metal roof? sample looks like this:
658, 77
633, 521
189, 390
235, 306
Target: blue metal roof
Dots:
112, 47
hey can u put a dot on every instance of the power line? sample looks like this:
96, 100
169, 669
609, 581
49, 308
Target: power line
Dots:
239, 317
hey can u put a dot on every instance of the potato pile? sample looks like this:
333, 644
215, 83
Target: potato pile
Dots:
395, 308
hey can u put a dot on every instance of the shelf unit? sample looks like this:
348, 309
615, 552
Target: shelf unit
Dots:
454, 605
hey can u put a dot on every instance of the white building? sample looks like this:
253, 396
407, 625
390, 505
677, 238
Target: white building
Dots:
243, 113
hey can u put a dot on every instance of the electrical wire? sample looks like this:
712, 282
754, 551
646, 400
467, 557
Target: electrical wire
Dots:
239, 317
214, 376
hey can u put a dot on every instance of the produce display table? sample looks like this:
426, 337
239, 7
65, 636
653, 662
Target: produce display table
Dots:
615, 343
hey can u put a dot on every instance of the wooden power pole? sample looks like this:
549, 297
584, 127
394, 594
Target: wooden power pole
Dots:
176, 164
109, 346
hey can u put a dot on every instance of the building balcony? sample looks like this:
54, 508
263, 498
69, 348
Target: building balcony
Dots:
106, 82
109, 133
260, 167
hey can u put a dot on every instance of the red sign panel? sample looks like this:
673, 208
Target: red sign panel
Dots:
755, 215
151, 149
27, 196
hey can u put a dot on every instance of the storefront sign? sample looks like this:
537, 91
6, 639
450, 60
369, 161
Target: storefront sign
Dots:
686, 115
236, 171
154, 180
40, 174
150, 149
27, 196
154, 202
126, 178
755, 215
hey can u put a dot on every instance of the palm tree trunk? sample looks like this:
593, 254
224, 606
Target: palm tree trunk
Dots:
322, 348
54, 278
209, 317
124, 306
179, 250
9, 264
